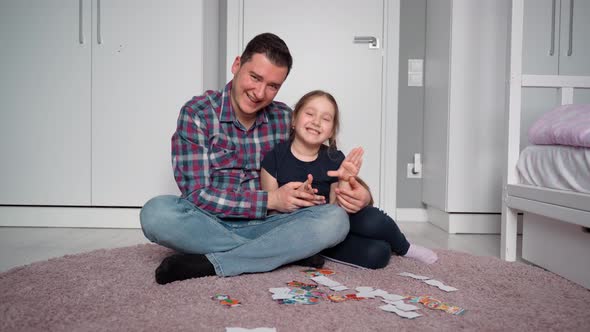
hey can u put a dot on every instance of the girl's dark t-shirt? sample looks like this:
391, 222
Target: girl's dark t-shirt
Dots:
283, 166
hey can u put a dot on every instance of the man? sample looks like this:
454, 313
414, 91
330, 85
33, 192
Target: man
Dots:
221, 224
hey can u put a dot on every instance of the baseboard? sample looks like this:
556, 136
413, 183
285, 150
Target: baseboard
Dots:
411, 215
78, 217
457, 223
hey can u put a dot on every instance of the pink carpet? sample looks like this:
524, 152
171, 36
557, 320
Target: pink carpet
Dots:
114, 290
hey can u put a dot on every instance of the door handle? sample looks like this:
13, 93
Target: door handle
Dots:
372, 41
98, 25
81, 22
571, 41
552, 48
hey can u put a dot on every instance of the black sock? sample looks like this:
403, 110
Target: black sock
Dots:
316, 261
183, 266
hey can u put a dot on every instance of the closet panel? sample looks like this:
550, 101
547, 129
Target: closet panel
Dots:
147, 62
45, 102
541, 29
465, 98
574, 55
555, 37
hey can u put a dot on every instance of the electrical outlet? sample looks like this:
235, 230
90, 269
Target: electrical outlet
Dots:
411, 174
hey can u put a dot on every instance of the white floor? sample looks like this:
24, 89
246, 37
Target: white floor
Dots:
24, 245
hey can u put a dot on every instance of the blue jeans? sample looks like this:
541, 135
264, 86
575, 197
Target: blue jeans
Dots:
241, 246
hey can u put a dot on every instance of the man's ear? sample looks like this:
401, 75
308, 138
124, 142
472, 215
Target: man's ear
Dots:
236, 65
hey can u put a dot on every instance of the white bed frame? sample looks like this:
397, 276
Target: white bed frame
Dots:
536, 202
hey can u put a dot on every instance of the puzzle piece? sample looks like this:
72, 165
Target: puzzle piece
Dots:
284, 295
226, 300
257, 329
334, 285
401, 313
401, 305
433, 303
415, 276
317, 272
302, 285
440, 285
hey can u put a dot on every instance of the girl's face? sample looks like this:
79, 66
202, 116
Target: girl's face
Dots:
314, 123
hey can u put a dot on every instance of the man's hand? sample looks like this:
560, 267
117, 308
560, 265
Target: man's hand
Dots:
350, 167
289, 198
354, 199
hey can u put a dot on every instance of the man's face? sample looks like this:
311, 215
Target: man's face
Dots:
255, 85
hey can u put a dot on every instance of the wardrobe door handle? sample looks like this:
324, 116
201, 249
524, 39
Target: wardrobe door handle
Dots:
81, 22
571, 38
372, 41
98, 25
552, 48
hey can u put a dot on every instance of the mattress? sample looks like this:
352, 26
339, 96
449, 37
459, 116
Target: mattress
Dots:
555, 166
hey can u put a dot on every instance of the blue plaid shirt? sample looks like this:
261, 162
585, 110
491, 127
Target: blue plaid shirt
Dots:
216, 161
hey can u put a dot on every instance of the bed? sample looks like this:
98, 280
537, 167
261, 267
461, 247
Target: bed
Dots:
549, 183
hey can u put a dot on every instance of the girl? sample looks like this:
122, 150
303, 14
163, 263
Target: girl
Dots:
373, 234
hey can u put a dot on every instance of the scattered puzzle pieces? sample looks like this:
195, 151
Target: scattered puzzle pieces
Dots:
307, 293
226, 300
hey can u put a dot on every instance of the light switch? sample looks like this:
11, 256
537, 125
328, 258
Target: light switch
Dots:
415, 65
415, 72
414, 79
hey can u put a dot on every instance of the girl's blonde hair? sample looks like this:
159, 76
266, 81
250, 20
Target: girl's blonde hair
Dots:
304, 100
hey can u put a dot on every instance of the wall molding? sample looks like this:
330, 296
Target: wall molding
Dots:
76, 217
411, 215
465, 223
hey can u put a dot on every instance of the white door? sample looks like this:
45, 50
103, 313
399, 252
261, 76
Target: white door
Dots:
146, 65
320, 36
45, 102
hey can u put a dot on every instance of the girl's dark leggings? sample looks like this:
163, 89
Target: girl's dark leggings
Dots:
373, 236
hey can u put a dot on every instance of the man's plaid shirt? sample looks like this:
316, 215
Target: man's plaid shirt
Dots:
216, 161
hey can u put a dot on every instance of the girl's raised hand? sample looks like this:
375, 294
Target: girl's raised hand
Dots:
351, 165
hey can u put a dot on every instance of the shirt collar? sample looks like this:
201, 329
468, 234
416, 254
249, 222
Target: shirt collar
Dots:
227, 113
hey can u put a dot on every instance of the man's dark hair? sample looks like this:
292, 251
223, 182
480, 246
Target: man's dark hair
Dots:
273, 47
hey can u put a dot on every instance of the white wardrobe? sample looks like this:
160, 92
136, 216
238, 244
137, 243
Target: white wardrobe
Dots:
555, 42
89, 95
465, 99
